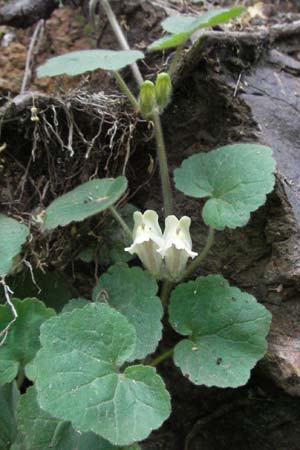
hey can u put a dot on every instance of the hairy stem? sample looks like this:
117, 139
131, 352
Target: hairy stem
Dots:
121, 38
121, 221
162, 357
125, 89
194, 264
163, 163
165, 291
175, 60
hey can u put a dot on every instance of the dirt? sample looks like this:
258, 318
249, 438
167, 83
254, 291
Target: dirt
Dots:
227, 89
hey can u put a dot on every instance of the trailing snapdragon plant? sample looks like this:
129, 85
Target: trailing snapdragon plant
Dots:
95, 385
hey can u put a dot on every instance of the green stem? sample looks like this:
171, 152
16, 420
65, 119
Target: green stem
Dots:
175, 60
121, 221
162, 357
165, 291
121, 38
194, 264
20, 378
163, 163
125, 89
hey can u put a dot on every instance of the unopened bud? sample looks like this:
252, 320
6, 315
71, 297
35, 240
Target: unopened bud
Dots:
147, 98
163, 90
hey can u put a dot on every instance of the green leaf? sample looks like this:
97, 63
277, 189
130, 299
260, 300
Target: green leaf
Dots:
236, 178
189, 24
12, 236
9, 396
169, 41
75, 303
22, 341
132, 292
84, 201
42, 431
226, 331
84, 383
76, 63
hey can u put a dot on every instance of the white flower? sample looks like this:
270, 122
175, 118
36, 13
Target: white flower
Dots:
147, 239
177, 245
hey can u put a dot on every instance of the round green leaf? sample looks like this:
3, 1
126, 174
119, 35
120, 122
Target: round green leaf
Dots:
84, 201
22, 341
169, 41
12, 236
41, 431
132, 292
226, 331
189, 24
83, 383
236, 178
76, 63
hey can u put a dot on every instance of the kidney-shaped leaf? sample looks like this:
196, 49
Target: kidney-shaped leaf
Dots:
169, 41
226, 331
189, 24
236, 178
22, 341
41, 431
75, 63
9, 396
133, 293
12, 236
84, 384
84, 201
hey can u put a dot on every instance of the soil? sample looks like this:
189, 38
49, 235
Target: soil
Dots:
241, 82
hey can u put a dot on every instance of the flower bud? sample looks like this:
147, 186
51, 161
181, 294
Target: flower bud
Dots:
177, 245
147, 98
147, 238
163, 90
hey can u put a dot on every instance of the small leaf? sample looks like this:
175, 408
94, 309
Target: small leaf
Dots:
84, 201
9, 396
76, 63
12, 236
22, 341
189, 24
41, 431
132, 292
236, 177
226, 331
169, 41
84, 384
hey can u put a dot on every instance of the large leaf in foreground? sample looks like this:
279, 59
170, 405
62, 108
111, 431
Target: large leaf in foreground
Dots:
84, 201
236, 178
226, 331
133, 293
76, 63
84, 383
41, 431
12, 236
22, 341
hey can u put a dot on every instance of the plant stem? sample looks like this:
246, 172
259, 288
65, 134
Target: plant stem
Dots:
121, 38
163, 163
121, 221
125, 89
20, 378
175, 60
162, 357
166, 287
194, 264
